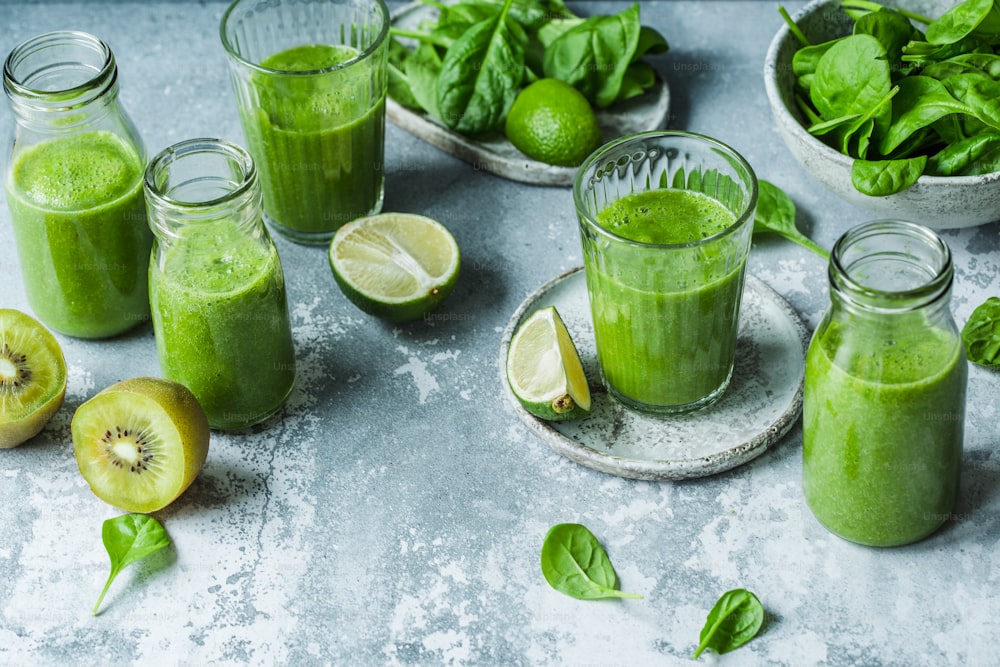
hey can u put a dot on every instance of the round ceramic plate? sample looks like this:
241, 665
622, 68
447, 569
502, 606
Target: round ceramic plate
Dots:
496, 154
762, 402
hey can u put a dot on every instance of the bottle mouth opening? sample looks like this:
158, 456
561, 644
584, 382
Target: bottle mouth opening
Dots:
200, 174
891, 265
61, 69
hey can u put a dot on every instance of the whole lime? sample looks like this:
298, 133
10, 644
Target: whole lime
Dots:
552, 122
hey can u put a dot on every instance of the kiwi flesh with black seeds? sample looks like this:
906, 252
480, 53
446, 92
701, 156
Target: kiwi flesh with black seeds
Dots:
140, 443
32, 377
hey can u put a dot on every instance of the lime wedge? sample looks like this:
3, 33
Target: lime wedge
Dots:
544, 369
397, 266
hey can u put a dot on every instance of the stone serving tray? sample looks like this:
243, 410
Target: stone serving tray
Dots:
497, 155
761, 404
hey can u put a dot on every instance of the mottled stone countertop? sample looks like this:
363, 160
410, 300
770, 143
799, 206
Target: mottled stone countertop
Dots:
395, 511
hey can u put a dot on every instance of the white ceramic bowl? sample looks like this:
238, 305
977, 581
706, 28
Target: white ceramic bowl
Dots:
941, 202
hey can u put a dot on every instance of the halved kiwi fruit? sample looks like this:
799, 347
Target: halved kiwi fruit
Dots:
141, 442
32, 377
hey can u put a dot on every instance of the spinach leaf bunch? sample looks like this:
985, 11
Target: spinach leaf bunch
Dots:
469, 63
904, 102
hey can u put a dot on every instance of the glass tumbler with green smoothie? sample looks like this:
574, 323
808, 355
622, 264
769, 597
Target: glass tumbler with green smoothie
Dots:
884, 402
74, 187
310, 81
665, 221
217, 291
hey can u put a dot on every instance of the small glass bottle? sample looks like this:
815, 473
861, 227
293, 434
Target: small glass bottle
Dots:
885, 383
217, 291
74, 187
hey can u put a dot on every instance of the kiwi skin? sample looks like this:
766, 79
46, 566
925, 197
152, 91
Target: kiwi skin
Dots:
16, 432
188, 417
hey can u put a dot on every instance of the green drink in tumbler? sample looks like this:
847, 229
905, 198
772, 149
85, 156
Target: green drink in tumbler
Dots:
311, 95
665, 220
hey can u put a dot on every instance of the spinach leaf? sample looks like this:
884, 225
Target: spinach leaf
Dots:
400, 88
851, 77
920, 102
129, 538
776, 214
575, 563
890, 28
978, 154
981, 334
481, 75
980, 93
454, 20
422, 70
806, 59
594, 56
879, 178
734, 620
960, 21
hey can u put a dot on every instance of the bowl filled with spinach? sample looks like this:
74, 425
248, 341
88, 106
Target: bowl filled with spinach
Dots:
893, 105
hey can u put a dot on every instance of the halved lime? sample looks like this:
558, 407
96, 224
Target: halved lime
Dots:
544, 369
397, 266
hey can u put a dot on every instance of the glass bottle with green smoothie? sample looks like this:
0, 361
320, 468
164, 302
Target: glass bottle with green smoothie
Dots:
885, 383
220, 314
74, 187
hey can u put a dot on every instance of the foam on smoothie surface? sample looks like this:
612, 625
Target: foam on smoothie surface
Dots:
666, 216
309, 57
76, 173
217, 260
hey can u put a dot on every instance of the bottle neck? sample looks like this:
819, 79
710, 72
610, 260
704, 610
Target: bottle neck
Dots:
60, 77
201, 183
888, 268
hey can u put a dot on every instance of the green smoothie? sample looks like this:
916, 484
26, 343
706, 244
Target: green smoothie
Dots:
221, 323
670, 342
317, 138
881, 457
81, 233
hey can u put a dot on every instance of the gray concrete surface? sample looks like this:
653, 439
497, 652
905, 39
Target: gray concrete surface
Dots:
394, 512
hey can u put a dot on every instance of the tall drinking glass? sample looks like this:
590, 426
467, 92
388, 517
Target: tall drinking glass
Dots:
310, 80
665, 221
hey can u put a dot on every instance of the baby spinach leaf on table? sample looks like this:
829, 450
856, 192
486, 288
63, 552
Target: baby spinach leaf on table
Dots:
575, 563
879, 178
776, 214
734, 620
129, 538
981, 334
481, 74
